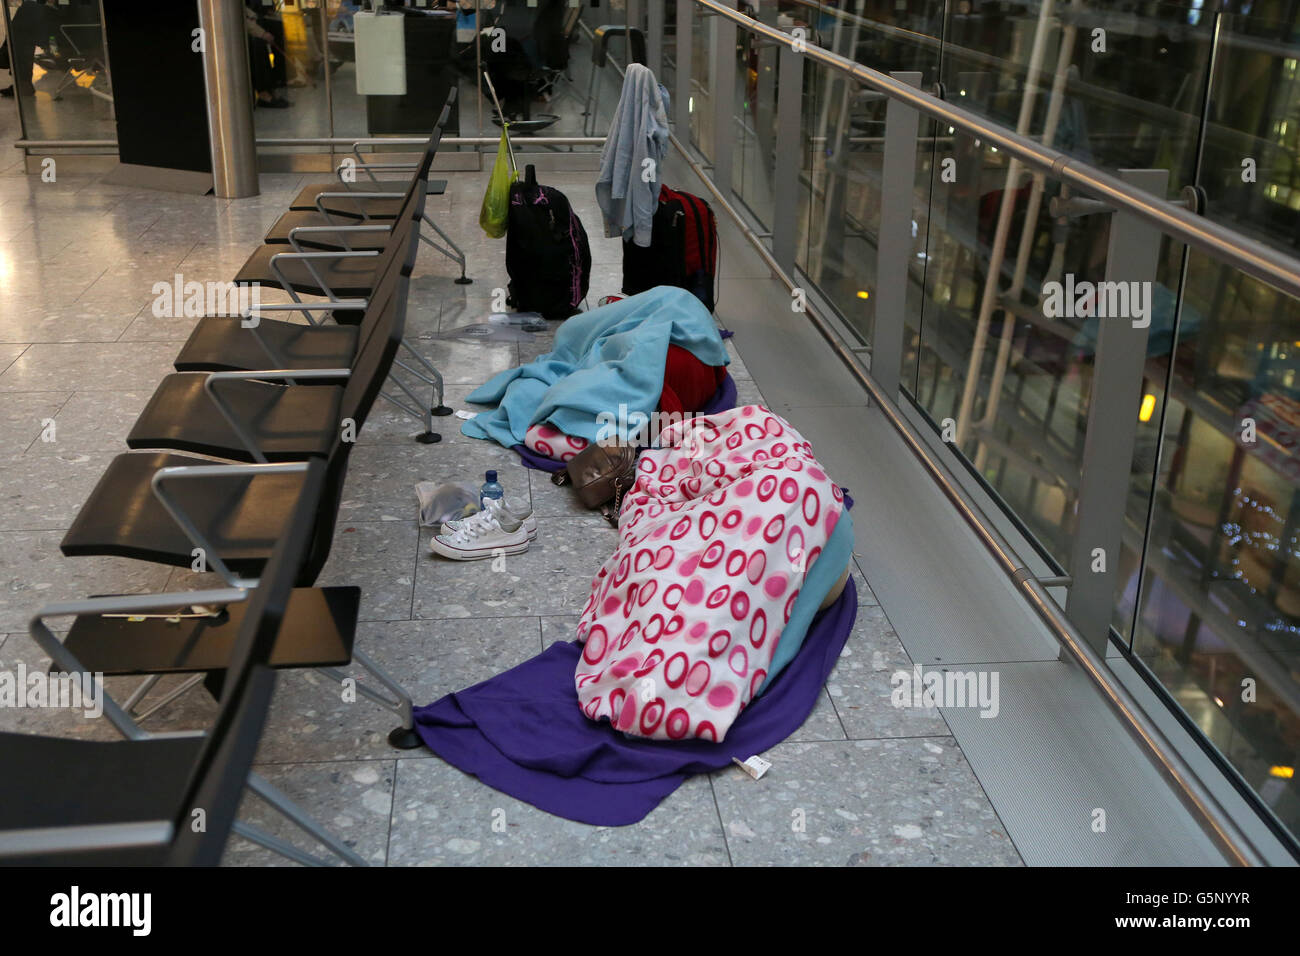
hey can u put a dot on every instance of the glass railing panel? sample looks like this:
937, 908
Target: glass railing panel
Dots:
754, 149
1009, 381
1251, 166
1130, 85
1219, 616
1219, 622
847, 130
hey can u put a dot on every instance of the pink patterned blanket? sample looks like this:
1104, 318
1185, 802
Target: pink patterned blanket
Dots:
715, 538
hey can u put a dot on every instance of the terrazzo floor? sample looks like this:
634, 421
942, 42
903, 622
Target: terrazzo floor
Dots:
861, 783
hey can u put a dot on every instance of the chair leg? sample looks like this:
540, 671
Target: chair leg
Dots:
454, 253
139, 693
277, 846
434, 378
402, 737
419, 411
182, 688
301, 819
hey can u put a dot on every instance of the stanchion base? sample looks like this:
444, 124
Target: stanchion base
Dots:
463, 280
428, 438
441, 410
405, 738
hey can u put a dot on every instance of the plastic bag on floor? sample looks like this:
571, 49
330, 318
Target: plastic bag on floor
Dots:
500, 327
445, 502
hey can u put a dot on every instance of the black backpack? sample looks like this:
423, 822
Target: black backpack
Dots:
547, 254
683, 248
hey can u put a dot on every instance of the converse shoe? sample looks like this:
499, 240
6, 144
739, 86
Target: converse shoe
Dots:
516, 508
494, 531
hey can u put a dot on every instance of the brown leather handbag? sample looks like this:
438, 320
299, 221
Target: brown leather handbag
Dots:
601, 475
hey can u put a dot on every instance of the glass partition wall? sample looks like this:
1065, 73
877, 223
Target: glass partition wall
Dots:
1207, 599
57, 70
303, 66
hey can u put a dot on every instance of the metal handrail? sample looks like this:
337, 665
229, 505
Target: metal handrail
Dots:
1269, 266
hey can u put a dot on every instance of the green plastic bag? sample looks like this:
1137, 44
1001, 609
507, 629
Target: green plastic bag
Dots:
496, 201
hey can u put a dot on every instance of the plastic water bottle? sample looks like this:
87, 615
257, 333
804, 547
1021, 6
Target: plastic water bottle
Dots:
491, 489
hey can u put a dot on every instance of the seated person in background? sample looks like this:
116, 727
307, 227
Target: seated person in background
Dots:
266, 58
342, 21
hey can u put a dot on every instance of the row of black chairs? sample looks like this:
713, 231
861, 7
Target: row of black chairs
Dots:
326, 245
262, 516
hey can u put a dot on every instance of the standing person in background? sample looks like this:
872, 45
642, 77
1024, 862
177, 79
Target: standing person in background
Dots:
266, 58
8, 88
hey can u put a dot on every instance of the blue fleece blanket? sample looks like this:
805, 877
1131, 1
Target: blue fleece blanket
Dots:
610, 356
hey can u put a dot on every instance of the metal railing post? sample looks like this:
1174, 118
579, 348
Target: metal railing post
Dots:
722, 90
682, 50
229, 99
1113, 404
654, 38
894, 242
789, 151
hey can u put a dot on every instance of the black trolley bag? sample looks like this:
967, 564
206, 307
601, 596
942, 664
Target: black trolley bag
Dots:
683, 249
547, 254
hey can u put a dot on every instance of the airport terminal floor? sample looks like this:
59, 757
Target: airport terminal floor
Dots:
1064, 541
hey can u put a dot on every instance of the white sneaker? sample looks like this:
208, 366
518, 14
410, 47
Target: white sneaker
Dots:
493, 531
516, 508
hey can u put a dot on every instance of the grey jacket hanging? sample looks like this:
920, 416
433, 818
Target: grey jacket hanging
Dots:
627, 187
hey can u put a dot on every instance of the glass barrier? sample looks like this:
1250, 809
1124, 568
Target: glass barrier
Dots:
1218, 617
1207, 596
58, 70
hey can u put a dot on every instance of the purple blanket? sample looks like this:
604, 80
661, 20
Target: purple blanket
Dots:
523, 733
723, 399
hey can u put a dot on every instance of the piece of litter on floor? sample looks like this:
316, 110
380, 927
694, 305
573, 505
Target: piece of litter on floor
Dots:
461, 413
754, 766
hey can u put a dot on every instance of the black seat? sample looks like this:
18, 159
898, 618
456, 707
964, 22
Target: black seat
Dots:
132, 802
349, 276
84, 783
251, 419
308, 198
236, 518
226, 343
240, 517
222, 344
288, 423
339, 274
319, 631
324, 232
